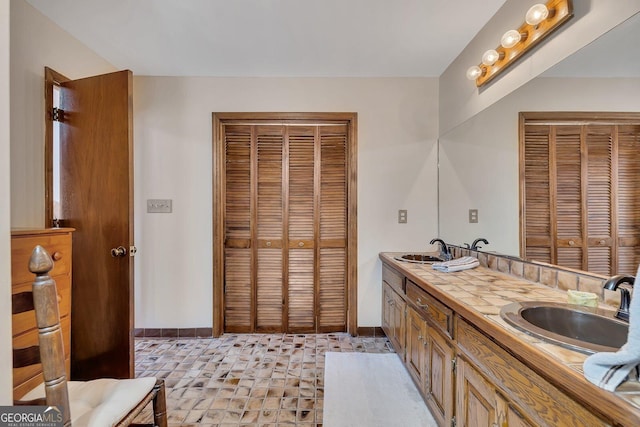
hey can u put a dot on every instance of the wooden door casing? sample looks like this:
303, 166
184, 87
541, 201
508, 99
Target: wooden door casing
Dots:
284, 238
96, 179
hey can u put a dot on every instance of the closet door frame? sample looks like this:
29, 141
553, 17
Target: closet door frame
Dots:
220, 119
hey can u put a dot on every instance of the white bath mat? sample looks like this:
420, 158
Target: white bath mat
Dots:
366, 389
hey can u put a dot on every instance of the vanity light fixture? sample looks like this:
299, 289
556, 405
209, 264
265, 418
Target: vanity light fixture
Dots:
540, 21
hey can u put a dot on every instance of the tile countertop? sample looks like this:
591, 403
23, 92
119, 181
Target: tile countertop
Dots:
479, 294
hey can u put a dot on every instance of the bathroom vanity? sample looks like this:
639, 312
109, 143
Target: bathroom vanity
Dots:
474, 369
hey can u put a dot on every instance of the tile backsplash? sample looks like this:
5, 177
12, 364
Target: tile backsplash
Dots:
552, 276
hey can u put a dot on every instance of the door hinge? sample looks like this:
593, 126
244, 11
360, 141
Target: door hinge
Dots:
453, 421
57, 114
453, 364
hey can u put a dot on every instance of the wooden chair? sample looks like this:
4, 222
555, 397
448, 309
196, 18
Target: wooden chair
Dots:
101, 402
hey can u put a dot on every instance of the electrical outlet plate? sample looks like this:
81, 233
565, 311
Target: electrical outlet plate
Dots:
473, 216
159, 205
402, 216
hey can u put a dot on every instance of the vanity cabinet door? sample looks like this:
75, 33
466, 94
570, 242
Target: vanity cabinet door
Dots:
394, 319
476, 404
439, 374
416, 358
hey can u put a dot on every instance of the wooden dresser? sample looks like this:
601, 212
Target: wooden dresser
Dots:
57, 241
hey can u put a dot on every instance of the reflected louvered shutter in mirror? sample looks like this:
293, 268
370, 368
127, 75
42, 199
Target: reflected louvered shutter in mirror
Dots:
581, 195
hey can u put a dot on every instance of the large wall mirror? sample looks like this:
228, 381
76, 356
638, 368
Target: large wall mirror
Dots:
479, 159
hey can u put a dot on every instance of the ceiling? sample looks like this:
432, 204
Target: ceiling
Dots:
269, 38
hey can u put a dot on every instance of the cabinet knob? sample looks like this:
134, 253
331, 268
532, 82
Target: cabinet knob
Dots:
572, 243
268, 244
57, 256
601, 242
301, 244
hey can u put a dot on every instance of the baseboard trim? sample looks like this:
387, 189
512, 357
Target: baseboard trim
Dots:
363, 331
173, 332
371, 331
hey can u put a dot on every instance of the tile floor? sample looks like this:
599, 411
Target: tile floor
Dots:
245, 379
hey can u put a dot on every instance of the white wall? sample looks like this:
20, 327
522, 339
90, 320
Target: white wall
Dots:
6, 386
37, 42
479, 159
397, 133
461, 100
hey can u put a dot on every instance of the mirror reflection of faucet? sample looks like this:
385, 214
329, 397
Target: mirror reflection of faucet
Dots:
474, 245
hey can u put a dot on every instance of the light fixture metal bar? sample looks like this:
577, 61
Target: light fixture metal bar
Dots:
560, 11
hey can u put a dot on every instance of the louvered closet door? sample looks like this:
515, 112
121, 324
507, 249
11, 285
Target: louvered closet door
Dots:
285, 228
238, 295
537, 194
301, 227
599, 143
567, 207
628, 202
333, 229
269, 228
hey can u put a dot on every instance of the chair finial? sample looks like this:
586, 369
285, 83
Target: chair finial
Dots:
40, 262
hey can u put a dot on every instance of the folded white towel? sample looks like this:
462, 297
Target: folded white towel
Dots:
458, 264
608, 370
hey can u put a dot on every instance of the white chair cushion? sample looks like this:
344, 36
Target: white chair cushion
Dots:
102, 402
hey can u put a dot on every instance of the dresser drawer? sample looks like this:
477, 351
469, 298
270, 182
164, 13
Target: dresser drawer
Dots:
58, 246
30, 338
21, 295
440, 315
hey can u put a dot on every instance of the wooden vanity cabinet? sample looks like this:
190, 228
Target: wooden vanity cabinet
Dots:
430, 353
493, 385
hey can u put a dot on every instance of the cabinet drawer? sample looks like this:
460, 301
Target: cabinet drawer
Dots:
440, 315
544, 403
21, 294
58, 246
393, 279
21, 375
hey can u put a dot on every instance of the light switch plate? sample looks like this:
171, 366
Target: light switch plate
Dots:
159, 205
473, 216
402, 216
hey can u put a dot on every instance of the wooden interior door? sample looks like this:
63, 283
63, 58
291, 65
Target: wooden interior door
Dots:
96, 177
285, 233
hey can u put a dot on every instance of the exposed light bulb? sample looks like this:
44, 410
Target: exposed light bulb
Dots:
490, 57
536, 14
474, 72
510, 39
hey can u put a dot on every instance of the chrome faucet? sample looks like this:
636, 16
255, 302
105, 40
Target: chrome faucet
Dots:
474, 245
444, 250
625, 299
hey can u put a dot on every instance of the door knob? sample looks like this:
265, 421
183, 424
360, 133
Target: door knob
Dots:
120, 251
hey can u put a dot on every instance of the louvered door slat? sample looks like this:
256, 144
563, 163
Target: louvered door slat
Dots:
237, 292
